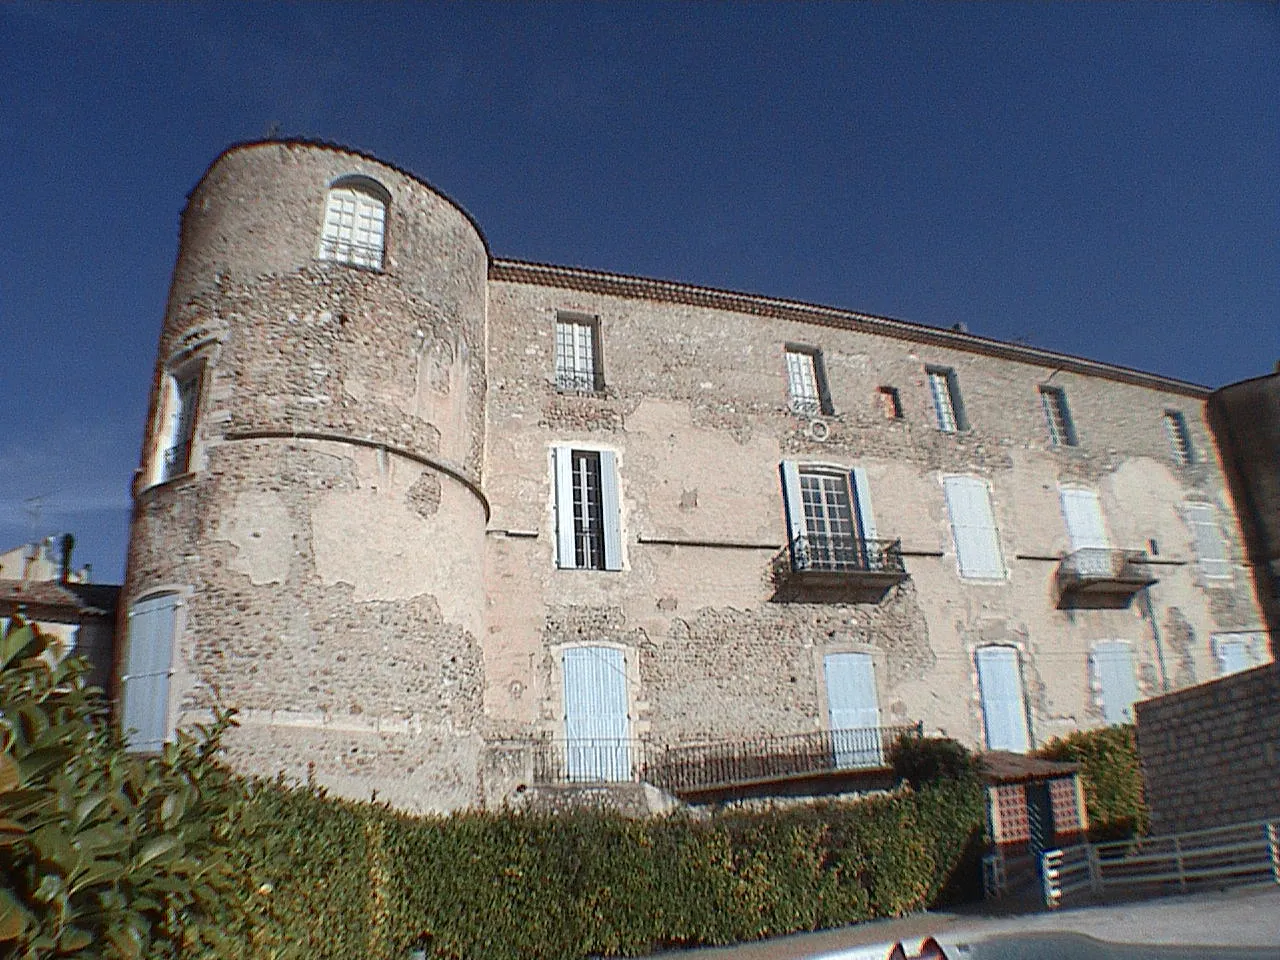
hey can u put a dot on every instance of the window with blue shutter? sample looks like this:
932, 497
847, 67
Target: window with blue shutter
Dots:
853, 710
1113, 666
1211, 549
974, 528
1082, 513
1004, 709
596, 725
588, 525
144, 684
1236, 651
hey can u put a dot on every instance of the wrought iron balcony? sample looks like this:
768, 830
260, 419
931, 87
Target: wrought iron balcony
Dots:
869, 567
706, 767
1110, 576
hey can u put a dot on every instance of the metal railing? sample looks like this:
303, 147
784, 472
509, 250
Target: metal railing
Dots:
813, 553
572, 382
1240, 854
725, 763
599, 760
1093, 564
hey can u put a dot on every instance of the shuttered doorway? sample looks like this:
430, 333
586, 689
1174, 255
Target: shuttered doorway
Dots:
596, 726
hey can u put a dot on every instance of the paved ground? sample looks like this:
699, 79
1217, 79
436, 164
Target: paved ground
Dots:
1244, 917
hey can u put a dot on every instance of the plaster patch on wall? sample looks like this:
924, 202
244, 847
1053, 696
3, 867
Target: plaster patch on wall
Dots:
258, 526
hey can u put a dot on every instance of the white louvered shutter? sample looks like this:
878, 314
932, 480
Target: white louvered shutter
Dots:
853, 709
611, 510
1234, 654
562, 471
145, 681
596, 727
1211, 549
862, 501
1004, 712
793, 499
1082, 514
1113, 665
974, 529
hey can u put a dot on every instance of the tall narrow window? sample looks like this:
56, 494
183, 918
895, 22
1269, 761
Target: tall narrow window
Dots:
890, 403
974, 528
1090, 548
1113, 668
354, 223
853, 710
178, 422
1175, 425
588, 531
144, 684
1062, 432
830, 523
578, 353
596, 725
1004, 709
807, 381
1211, 549
944, 386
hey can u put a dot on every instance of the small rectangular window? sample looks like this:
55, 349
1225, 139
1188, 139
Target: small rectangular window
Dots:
1062, 432
1175, 425
891, 403
354, 224
807, 381
588, 531
945, 388
578, 354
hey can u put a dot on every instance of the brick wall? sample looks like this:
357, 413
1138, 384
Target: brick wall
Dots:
1211, 753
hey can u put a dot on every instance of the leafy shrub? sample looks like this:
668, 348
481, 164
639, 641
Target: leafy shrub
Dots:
923, 760
102, 853
1112, 778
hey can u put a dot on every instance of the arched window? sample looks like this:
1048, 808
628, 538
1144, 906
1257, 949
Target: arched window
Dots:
355, 217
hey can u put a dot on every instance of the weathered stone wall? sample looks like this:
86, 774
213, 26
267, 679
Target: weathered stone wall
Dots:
695, 406
1211, 753
329, 536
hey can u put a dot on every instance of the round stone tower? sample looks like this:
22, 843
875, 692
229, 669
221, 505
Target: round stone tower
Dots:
308, 526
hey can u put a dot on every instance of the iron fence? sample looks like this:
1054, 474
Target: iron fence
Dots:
832, 553
602, 760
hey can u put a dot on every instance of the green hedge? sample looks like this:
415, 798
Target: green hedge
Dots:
1112, 778
330, 879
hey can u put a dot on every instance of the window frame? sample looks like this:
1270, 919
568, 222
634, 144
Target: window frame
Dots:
950, 417
605, 759
176, 624
177, 421
950, 481
1023, 712
819, 404
890, 399
363, 190
1057, 415
570, 522
1179, 435
1210, 523
572, 380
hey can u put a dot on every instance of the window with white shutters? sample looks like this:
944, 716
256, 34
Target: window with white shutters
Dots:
578, 353
354, 224
853, 710
1211, 548
588, 526
829, 516
973, 528
144, 683
1114, 670
944, 387
1237, 651
807, 381
1004, 709
596, 725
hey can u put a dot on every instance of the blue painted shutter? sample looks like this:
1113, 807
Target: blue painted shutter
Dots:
1210, 548
611, 510
1113, 665
145, 680
1233, 653
596, 727
792, 499
862, 500
1082, 514
853, 709
974, 528
562, 471
1004, 711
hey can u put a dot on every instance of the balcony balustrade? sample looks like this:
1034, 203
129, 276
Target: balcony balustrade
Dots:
1110, 576
852, 567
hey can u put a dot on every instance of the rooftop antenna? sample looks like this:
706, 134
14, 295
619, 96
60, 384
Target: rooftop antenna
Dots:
273, 129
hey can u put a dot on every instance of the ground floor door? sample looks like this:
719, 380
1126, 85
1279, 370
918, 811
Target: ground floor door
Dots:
596, 726
853, 710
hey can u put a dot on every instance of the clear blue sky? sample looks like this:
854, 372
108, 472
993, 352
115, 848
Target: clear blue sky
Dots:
1097, 179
